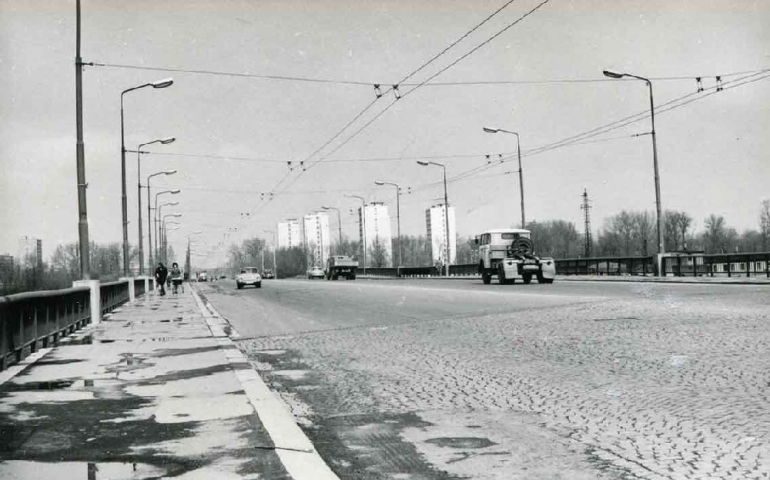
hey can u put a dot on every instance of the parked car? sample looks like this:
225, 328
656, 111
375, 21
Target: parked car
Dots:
268, 274
248, 276
315, 272
203, 277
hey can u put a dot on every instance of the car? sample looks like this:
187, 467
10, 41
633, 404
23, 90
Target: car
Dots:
203, 277
248, 276
315, 272
268, 274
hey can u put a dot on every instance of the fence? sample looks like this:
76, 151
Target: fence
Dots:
113, 295
606, 266
33, 319
416, 272
718, 265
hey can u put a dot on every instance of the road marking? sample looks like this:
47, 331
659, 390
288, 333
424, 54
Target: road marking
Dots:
296, 451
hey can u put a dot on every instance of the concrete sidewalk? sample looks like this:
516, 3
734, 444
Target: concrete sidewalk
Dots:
156, 390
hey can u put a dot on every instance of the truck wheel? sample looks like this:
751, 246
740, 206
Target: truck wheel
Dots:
486, 277
239, 286
501, 275
527, 277
258, 284
335, 276
352, 277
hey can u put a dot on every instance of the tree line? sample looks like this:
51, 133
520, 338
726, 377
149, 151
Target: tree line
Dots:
63, 268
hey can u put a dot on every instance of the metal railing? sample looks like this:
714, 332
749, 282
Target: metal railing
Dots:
138, 287
643, 266
32, 320
717, 265
113, 295
412, 272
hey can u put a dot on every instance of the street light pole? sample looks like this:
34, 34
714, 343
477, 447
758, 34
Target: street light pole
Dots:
149, 215
275, 247
157, 218
446, 210
398, 216
363, 224
658, 207
85, 260
521, 172
339, 225
124, 199
139, 195
164, 233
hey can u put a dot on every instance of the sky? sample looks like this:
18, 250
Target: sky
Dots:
259, 84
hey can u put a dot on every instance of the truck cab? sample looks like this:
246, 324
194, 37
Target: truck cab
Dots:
509, 254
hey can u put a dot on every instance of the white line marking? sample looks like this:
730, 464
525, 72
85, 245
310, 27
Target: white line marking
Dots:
296, 451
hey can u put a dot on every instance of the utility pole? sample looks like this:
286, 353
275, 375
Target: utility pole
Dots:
588, 241
85, 260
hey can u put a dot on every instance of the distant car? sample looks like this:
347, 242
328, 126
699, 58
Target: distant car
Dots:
222, 277
268, 274
248, 276
203, 277
315, 272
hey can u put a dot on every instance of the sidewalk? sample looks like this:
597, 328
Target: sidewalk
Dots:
156, 390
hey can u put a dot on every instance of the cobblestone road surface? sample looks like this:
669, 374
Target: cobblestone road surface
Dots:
648, 383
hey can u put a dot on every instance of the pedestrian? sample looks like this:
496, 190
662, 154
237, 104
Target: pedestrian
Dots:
160, 277
176, 278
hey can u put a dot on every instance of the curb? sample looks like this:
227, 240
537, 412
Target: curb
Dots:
566, 278
296, 452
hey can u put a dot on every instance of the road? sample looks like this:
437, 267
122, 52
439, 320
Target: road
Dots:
435, 379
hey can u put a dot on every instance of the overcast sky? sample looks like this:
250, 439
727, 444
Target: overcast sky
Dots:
542, 78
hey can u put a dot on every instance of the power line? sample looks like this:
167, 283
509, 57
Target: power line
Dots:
403, 83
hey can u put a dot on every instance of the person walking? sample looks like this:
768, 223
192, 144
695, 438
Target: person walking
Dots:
160, 277
176, 278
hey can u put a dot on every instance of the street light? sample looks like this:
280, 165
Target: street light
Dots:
363, 223
521, 172
339, 225
164, 232
275, 247
149, 220
398, 215
124, 201
658, 207
163, 141
188, 265
446, 209
157, 216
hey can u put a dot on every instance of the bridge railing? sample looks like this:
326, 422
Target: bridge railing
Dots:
717, 265
638, 265
413, 272
32, 320
113, 295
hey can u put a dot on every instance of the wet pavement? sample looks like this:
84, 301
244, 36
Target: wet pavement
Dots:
150, 392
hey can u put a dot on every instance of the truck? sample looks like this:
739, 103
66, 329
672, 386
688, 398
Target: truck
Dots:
340, 266
509, 254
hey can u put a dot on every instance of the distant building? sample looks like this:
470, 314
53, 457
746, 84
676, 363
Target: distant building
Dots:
435, 221
289, 234
6, 267
317, 238
376, 223
30, 252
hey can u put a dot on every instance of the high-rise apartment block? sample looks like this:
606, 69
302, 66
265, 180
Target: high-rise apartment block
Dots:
317, 238
30, 252
289, 234
375, 221
435, 220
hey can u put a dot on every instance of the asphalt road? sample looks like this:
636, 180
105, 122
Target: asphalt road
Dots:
429, 379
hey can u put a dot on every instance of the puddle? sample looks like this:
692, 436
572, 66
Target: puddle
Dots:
28, 386
462, 442
16, 469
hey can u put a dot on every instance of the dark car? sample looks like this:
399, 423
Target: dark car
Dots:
268, 274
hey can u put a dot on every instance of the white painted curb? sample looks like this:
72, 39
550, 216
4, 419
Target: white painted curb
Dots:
296, 451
